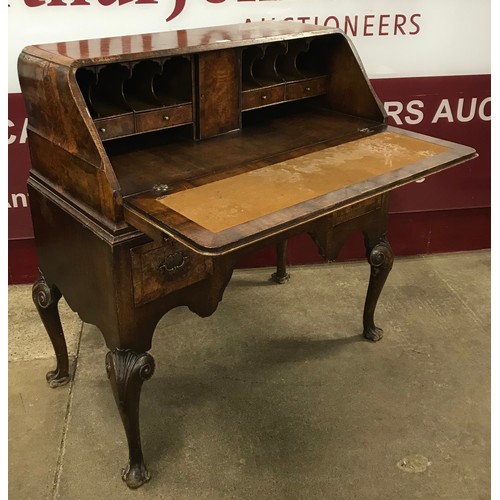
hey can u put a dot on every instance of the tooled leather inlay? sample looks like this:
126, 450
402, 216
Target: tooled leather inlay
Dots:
235, 200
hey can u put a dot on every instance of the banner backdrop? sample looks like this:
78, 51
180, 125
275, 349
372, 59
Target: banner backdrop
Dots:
429, 62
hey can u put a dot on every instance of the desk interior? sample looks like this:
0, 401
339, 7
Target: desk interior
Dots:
267, 136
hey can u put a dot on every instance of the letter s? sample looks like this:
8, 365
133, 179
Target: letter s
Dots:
414, 108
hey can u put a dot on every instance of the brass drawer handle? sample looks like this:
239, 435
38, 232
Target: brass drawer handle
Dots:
102, 129
173, 263
308, 89
264, 97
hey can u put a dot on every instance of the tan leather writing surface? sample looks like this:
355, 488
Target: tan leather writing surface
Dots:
226, 203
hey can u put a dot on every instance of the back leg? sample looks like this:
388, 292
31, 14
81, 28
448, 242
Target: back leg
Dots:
281, 276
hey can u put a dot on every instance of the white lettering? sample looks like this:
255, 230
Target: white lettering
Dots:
414, 108
12, 137
15, 197
482, 113
24, 133
460, 110
393, 109
463, 109
443, 111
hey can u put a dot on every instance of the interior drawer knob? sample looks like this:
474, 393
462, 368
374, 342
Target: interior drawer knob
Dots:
102, 129
166, 118
308, 89
173, 262
264, 97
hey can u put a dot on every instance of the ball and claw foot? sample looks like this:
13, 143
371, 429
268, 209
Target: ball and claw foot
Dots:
55, 379
136, 475
373, 333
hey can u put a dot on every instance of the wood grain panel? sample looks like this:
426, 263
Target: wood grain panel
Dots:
270, 133
219, 98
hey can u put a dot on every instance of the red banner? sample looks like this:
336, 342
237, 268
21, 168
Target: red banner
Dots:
445, 206
454, 108
19, 165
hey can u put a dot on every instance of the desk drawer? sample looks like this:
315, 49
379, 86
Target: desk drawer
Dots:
116, 126
163, 118
159, 269
262, 97
307, 88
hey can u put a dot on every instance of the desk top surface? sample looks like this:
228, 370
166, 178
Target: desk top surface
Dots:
177, 41
217, 216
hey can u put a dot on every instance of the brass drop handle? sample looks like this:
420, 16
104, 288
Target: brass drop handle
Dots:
173, 262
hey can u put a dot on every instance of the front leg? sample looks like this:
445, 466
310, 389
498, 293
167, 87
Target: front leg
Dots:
127, 370
46, 299
380, 257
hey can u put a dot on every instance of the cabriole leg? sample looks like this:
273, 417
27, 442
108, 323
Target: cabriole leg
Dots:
380, 258
281, 276
127, 370
46, 299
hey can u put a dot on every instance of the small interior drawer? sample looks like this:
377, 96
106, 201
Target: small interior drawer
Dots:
115, 126
306, 88
161, 268
163, 118
256, 98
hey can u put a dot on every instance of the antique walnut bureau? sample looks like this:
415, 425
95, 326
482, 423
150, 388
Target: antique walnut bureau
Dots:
158, 160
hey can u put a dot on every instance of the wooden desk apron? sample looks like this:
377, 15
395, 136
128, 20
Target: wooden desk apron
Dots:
158, 162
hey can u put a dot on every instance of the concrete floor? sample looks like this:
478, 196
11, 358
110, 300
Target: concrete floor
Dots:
275, 396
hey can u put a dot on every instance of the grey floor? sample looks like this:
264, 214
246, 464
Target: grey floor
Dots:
275, 396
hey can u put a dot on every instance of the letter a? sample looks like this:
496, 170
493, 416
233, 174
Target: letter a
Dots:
443, 111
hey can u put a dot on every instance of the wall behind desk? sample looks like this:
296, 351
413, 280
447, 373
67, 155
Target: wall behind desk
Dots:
429, 62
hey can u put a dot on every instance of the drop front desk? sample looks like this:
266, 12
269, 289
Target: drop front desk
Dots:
158, 160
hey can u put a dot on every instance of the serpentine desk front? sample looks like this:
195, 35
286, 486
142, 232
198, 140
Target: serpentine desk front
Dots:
159, 160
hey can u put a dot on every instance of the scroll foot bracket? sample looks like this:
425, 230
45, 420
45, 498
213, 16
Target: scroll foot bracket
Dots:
46, 299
